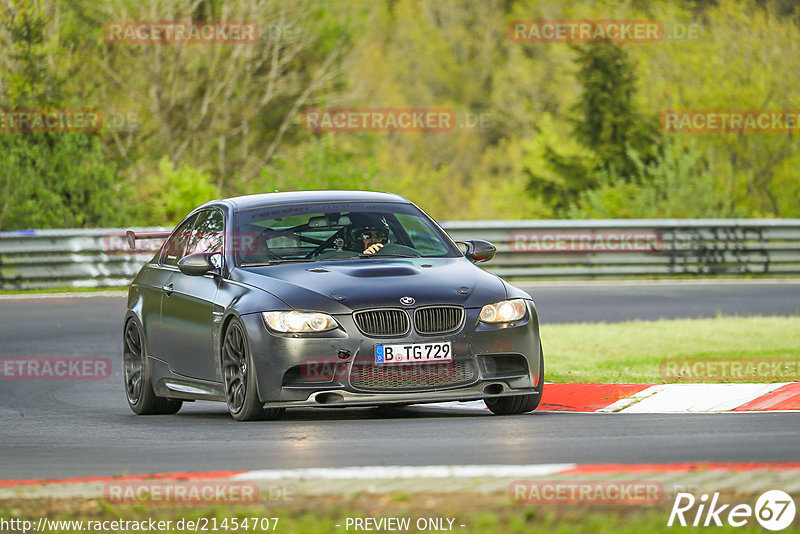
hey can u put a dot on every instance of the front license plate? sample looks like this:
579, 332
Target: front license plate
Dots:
440, 351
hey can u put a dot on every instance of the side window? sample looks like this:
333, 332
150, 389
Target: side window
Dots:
175, 247
425, 240
207, 235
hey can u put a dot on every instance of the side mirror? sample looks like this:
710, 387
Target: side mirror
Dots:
479, 250
197, 264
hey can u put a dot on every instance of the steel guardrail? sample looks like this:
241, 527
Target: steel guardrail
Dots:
533, 249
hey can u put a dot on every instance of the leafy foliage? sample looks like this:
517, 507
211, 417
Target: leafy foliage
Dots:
47, 179
571, 131
678, 183
173, 192
55, 181
321, 163
608, 122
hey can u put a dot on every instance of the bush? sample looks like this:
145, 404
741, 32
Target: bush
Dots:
55, 180
170, 194
678, 183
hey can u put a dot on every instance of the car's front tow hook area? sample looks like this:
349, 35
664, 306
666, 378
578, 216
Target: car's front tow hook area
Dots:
328, 398
494, 389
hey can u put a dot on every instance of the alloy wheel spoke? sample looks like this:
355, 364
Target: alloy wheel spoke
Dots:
229, 348
239, 343
230, 379
132, 362
135, 375
239, 394
135, 386
133, 343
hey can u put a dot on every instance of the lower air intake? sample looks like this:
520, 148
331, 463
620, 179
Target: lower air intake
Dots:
411, 376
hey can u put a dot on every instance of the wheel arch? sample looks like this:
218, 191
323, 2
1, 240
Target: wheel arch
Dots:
131, 315
225, 324
134, 311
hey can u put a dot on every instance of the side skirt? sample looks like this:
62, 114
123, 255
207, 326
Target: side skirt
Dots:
174, 386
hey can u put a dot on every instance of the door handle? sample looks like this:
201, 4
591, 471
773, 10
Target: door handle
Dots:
168, 289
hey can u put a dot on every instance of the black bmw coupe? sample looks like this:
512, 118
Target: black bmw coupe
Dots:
324, 299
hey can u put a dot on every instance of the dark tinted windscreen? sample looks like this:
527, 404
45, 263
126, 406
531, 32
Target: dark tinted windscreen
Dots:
342, 230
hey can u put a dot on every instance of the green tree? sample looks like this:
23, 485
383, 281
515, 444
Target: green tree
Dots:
613, 137
678, 183
608, 122
168, 195
52, 179
324, 162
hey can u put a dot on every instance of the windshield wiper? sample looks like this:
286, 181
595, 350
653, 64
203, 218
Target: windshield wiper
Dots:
313, 260
274, 262
389, 256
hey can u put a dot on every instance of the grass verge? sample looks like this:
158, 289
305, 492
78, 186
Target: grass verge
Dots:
121, 289
477, 513
634, 351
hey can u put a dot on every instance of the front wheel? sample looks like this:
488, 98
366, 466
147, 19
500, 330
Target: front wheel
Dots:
241, 394
138, 381
517, 404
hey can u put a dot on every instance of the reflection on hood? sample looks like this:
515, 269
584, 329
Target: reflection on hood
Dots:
348, 285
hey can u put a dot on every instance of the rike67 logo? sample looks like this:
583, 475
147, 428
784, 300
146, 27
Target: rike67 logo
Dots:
774, 510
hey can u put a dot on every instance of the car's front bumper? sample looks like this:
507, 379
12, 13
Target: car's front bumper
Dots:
342, 398
276, 360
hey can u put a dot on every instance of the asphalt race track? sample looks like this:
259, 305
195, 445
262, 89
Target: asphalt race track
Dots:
621, 301
53, 429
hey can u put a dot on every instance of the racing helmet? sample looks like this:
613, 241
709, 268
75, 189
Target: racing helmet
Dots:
368, 227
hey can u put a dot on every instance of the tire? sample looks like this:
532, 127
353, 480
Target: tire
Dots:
519, 404
241, 393
137, 378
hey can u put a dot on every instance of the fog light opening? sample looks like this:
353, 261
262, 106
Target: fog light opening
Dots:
493, 389
328, 398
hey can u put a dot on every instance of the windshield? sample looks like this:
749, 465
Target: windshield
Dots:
336, 231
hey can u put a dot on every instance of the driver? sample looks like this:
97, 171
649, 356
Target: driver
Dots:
372, 237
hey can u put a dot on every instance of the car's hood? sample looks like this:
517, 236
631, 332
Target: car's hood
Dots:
346, 285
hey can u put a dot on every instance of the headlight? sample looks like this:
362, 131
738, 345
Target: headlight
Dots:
295, 321
503, 311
